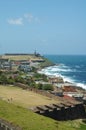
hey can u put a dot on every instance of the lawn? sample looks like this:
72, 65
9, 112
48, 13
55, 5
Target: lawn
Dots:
32, 121
21, 57
16, 112
22, 97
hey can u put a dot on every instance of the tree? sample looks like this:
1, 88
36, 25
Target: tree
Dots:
47, 87
39, 86
3, 79
10, 80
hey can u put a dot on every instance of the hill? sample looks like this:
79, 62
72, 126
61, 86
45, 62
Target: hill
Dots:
22, 97
28, 120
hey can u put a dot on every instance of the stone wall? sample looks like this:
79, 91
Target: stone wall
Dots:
68, 109
4, 125
62, 112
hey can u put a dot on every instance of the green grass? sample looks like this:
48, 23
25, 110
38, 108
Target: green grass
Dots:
25, 118
82, 127
28, 120
46, 63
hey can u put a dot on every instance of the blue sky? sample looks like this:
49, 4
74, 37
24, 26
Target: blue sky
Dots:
48, 26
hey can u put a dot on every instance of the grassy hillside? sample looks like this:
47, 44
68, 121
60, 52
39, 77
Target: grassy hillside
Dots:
21, 57
46, 63
22, 97
32, 57
16, 111
31, 121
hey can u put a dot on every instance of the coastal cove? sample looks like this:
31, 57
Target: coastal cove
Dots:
26, 94
72, 68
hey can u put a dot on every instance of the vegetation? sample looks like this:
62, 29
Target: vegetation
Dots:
46, 63
34, 69
38, 76
3, 79
21, 57
28, 120
23, 97
84, 120
82, 127
44, 86
22, 78
15, 110
47, 87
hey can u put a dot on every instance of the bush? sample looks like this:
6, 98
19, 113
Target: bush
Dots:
47, 87
41, 76
84, 121
10, 81
3, 79
39, 86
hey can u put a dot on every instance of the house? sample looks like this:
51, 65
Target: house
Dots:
54, 80
42, 82
24, 67
5, 64
68, 87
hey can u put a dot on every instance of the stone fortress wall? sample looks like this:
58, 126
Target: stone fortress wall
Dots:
5, 125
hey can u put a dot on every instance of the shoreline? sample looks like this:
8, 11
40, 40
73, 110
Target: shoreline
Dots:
66, 79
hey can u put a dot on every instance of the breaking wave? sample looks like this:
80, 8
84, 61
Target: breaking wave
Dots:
66, 72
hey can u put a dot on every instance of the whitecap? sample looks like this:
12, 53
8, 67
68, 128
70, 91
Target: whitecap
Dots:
56, 71
68, 79
81, 85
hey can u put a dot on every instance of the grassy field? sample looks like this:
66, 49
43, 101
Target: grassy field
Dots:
31, 121
21, 57
28, 57
22, 97
15, 111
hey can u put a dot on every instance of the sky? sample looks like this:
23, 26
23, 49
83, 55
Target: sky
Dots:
47, 26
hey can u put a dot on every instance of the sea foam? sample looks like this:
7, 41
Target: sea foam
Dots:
58, 70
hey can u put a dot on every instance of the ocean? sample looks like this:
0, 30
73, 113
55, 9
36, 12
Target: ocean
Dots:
71, 67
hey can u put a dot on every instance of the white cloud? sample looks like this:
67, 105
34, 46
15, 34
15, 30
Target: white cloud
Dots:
26, 17
31, 18
18, 21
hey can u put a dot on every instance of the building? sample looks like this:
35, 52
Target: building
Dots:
24, 67
55, 80
5, 64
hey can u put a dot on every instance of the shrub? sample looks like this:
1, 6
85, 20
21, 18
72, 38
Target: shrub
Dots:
39, 86
47, 87
84, 121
